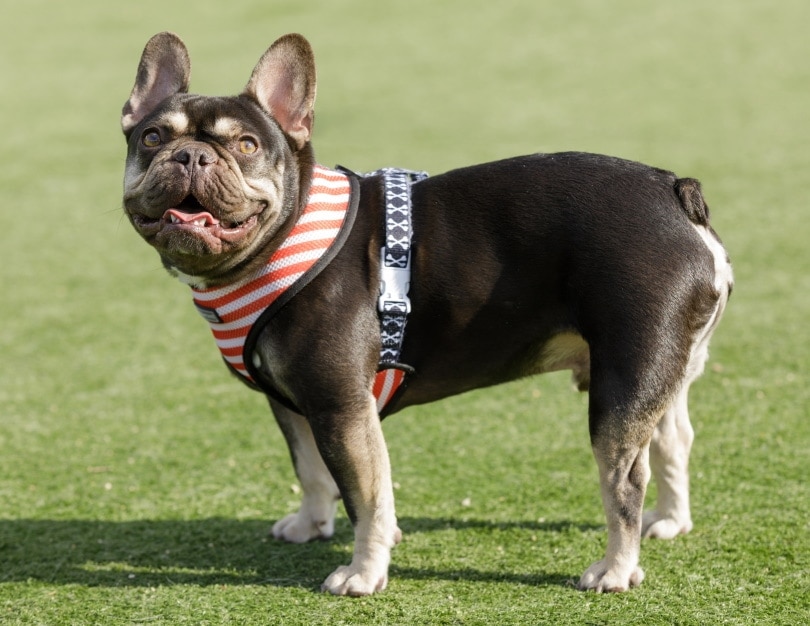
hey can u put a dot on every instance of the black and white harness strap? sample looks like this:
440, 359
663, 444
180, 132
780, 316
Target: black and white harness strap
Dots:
395, 261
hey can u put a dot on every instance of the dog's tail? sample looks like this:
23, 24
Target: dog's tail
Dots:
691, 197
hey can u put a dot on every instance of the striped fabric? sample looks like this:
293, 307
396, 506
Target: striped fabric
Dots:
385, 386
232, 310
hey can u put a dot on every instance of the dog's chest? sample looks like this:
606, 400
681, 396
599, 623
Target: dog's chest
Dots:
232, 311
238, 313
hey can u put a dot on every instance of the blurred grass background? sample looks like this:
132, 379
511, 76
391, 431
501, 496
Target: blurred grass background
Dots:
138, 481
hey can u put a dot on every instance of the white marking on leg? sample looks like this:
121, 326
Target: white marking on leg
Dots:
669, 460
623, 476
316, 517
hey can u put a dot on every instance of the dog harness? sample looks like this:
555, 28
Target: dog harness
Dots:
237, 313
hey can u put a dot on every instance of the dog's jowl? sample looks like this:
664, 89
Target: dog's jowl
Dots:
345, 298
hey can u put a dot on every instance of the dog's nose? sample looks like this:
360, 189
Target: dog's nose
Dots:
193, 156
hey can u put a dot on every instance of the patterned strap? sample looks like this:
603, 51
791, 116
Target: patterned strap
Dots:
395, 260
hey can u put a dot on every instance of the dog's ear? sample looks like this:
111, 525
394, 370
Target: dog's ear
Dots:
283, 83
164, 70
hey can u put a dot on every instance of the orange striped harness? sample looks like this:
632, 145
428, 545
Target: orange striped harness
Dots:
237, 313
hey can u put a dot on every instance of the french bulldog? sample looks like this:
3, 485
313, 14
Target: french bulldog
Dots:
568, 261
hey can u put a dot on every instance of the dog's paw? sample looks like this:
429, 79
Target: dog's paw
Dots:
603, 579
301, 528
347, 580
658, 526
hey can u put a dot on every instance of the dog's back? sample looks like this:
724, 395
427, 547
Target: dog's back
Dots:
532, 248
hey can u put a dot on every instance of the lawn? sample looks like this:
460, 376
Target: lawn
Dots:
138, 481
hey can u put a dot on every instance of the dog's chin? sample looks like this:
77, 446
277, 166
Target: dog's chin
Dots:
198, 246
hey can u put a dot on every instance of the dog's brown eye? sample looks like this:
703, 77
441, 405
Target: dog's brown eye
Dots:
247, 145
151, 139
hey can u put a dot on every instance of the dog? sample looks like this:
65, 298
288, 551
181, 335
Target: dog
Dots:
419, 288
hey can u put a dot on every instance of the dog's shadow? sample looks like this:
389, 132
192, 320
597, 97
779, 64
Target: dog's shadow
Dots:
214, 551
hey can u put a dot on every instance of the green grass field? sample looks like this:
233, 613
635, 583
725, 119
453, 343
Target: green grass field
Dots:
138, 481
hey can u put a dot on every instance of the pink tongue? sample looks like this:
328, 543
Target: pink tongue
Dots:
188, 218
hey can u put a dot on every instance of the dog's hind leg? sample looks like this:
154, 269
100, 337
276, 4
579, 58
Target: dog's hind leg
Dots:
623, 474
669, 460
628, 394
672, 440
638, 409
316, 517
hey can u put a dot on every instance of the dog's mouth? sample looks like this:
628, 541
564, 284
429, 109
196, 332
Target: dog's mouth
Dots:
190, 217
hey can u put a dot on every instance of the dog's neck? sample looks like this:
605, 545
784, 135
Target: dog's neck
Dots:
232, 309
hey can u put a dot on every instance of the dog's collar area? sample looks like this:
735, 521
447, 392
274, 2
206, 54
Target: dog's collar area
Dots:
238, 313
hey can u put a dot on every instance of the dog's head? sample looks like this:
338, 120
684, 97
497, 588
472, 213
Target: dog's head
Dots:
210, 182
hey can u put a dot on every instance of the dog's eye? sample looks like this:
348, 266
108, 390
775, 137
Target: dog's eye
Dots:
151, 139
248, 145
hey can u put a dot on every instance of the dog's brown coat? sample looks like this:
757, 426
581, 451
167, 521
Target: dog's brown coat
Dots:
597, 264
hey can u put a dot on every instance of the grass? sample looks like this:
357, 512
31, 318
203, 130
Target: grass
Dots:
138, 481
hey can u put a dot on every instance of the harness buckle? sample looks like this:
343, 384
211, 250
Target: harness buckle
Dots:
394, 285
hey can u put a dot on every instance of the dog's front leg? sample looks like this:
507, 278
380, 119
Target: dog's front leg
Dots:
353, 447
316, 517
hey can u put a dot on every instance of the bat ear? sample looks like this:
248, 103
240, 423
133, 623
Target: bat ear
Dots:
283, 84
164, 71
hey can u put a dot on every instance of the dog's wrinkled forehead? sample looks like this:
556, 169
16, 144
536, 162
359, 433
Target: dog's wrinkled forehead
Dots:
212, 118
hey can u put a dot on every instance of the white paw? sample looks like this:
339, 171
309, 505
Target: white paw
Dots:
602, 579
301, 527
348, 580
657, 526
